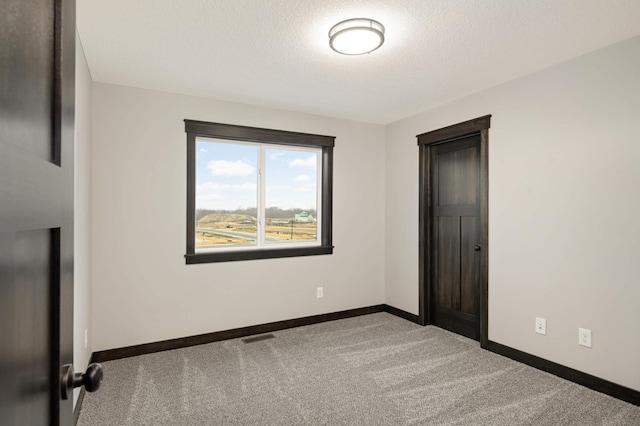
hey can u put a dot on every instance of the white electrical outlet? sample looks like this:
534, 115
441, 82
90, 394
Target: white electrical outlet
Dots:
320, 292
541, 326
86, 338
584, 337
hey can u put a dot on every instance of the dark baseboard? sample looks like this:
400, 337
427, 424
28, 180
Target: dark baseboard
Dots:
587, 380
183, 342
402, 314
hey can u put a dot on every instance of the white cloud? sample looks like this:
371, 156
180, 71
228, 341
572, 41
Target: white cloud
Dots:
276, 156
203, 150
245, 187
214, 186
230, 168
279, 188
209, 197
226, 196
301, 178
305, 188
304, 162
208, 201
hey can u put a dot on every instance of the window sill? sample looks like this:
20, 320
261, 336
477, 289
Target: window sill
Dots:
230, 256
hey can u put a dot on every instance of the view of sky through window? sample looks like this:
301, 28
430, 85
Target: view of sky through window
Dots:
291, 179
229, 180
226, 177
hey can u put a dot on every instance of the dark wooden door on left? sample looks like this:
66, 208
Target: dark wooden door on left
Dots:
37, 68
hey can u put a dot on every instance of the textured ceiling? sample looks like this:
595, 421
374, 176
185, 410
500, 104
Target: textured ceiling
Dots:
276, 53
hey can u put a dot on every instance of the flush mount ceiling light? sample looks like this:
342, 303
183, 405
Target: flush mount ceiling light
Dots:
356, 36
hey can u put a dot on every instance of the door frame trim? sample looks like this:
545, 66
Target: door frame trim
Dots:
477, 126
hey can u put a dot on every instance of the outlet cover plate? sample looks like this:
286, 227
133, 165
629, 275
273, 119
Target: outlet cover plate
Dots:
541, 326
584, 337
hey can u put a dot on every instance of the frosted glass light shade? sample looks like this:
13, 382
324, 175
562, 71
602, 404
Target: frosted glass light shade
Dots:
356, 36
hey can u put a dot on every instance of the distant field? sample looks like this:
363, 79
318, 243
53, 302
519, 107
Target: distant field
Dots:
247, 224
204, 239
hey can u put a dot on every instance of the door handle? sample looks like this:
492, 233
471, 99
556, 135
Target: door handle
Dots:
477, 247
69, 380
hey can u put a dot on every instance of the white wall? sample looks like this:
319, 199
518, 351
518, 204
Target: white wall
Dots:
564, 186
142, 289
82, 217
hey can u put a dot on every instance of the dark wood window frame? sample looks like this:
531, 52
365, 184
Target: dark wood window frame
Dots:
232, 132
479, 126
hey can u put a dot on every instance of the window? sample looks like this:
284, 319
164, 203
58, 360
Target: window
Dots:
256, 193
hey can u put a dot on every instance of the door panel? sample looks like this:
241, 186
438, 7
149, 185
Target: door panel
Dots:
469, 264
27, 82
25, 316
448, 266
456, 169
37, 63
455, 231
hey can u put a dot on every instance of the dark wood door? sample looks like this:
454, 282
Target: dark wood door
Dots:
455, 235
37, 67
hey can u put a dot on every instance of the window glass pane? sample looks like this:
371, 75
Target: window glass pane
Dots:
291, 195
226, 194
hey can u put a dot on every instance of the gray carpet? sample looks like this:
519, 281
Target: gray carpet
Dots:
371, 370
